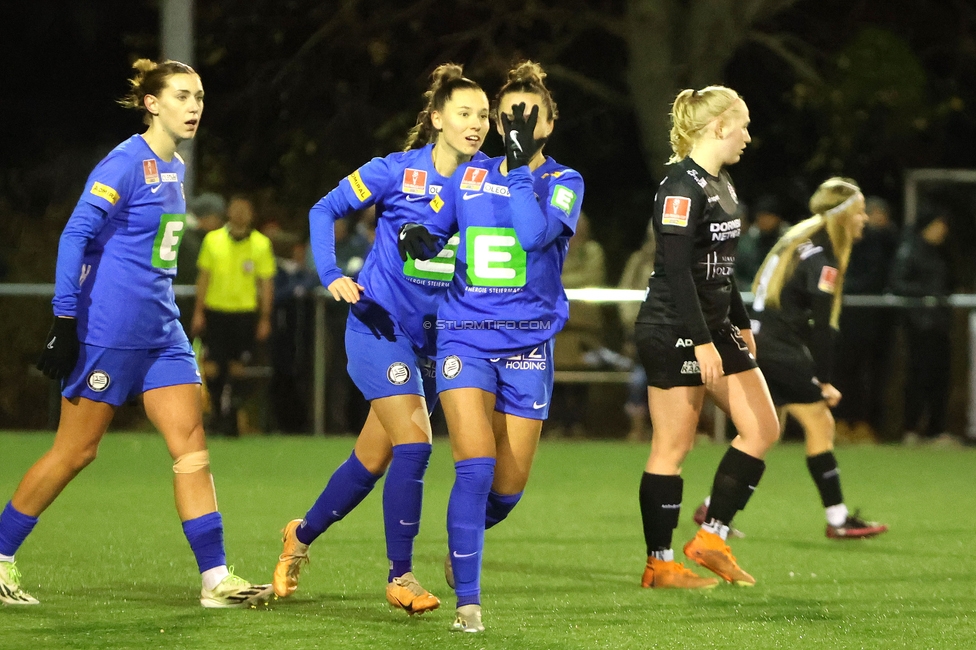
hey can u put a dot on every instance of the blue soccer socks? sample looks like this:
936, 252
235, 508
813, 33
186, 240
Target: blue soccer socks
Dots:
347, 487
15, 526
206, 537
403, 495
466, 525
499, 507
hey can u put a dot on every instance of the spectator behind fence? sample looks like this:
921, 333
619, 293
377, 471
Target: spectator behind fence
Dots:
235, 291
920, 269
639, 267
206, 213
583, 333
754, 245
292, 334
867, 333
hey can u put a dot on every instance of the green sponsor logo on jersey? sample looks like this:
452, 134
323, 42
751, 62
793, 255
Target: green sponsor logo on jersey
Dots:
495, 257
168, 238
440, 268
563, 198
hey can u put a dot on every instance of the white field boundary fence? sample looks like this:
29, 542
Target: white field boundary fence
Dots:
590, 295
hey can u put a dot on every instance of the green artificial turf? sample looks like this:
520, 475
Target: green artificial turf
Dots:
112, 569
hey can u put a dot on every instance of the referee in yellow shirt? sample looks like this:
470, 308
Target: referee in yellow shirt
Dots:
235, 293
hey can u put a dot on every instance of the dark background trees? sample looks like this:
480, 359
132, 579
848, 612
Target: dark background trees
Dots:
299, 92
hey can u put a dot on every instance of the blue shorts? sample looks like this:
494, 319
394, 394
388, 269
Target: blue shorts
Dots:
115, 376
382, 368
521, 384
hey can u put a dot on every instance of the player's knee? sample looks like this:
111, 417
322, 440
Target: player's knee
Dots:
81, 459
192, 462
671, 455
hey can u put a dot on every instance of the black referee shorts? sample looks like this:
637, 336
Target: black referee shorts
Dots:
230, 335
669, 359
791, 380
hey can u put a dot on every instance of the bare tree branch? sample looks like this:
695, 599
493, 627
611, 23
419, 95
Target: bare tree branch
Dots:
590, 86
777, 44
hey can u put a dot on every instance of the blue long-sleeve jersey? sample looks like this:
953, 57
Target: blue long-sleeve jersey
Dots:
117, 254
399, 297
514, 232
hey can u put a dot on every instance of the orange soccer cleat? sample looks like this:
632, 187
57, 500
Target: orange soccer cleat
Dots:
293, 555
407, 594
660, 574
710, 551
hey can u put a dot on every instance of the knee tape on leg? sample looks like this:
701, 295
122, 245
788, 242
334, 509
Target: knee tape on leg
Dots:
192, 462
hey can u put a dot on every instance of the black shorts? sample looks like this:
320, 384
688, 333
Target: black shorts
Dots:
791, 380
669, 358
230, 335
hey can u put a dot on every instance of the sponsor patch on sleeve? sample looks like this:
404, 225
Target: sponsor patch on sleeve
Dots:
828, 279
358, 186
437, 203
563, 198
105, 192
676, 211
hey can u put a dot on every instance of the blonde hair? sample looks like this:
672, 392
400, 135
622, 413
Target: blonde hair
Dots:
444, 80
692, 111
527, 77
150, 79
832, 205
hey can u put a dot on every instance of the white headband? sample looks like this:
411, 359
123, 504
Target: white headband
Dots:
848, 202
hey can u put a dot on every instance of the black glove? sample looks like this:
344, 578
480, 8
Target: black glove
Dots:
416, 241
520, 142
60, 353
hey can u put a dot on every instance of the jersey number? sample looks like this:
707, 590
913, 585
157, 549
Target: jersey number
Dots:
495, 257
440, 268
168, 238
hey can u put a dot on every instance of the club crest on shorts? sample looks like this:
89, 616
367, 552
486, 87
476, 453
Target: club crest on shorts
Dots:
451, 367
398, 373
99, 380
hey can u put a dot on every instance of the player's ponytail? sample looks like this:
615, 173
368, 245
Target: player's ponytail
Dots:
527, 77
444, 80
833, 204
150, 79
692, 111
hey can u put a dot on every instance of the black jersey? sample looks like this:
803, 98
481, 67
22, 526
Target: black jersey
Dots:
696, 229
801, 323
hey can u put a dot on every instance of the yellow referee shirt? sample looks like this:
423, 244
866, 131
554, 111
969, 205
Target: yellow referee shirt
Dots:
234, 268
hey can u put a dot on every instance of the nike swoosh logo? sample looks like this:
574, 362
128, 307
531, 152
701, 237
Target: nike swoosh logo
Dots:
155, 188
413, 197
536, 405
336, 514
458, 555
408, 523
50, 345
471, 196
513, 134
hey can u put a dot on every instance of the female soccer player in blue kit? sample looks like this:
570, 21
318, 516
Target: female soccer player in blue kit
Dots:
117, 335
514, 215
389, 337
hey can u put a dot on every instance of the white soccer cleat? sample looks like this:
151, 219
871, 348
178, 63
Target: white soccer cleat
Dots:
235, 592
468, 619
10, 591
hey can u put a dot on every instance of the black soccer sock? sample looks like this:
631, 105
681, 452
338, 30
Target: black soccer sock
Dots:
660, 504
735, 479
823, 469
